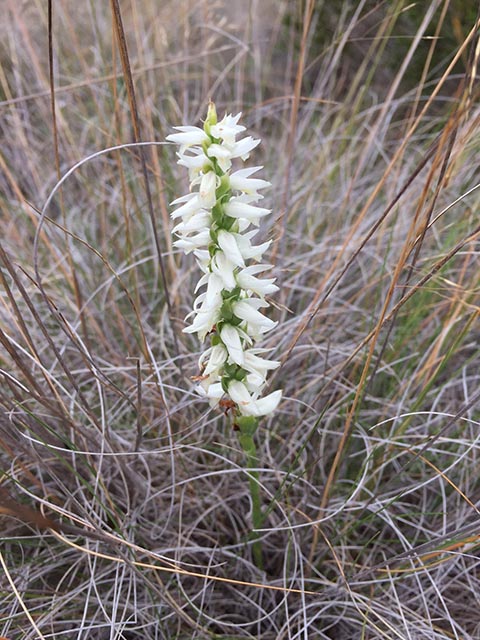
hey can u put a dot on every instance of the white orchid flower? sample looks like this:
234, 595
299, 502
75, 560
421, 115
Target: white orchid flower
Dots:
257, 322
190, 205
228, 244
243, 147
190, 243
240, 181
249, 251
227, 129
239, 209
208, 185
188, 137
248, 404
194, 163
215, 358
213, 392
225, 269
262, 287
230, 337
213, 223
253, 363
197, 222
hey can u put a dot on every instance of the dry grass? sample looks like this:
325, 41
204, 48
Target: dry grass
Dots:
125, 503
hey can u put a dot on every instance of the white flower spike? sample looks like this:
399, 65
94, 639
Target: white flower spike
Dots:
213, 224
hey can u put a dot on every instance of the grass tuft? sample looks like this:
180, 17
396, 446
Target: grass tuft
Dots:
124, 505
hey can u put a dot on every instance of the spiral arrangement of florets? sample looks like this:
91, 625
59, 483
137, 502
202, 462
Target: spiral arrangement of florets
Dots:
216, 221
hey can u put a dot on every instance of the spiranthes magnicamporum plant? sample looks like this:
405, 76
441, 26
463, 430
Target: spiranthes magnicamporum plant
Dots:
217, 221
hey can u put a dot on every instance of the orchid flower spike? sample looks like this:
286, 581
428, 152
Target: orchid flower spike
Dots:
216, 222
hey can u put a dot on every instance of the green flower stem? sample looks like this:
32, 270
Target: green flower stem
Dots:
248, 425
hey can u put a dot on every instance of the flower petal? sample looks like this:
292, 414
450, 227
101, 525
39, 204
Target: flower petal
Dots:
238, 392
213, 392
261, 287
248, 250
191, 206
227, 129
224, 268
243, 147
268, 404
222, 154
246, 312
190, 243
239, 181
247, 406
228, 244
208, 186
231, 339
258, 365
239, 209
189, 136
217, 358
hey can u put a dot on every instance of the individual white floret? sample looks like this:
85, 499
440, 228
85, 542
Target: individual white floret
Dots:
247, 249
227, 129
260, 286
188, 137
213, 392
249, 405
198, 222
208, 186
191, 243
257, 322
195, 163
230, 336
213, 359
228, 244
255, 364
240, 181
190, 205
225, 269
237, 208
206, 308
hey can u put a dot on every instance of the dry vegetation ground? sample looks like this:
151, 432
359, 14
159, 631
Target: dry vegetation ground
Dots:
125, 509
